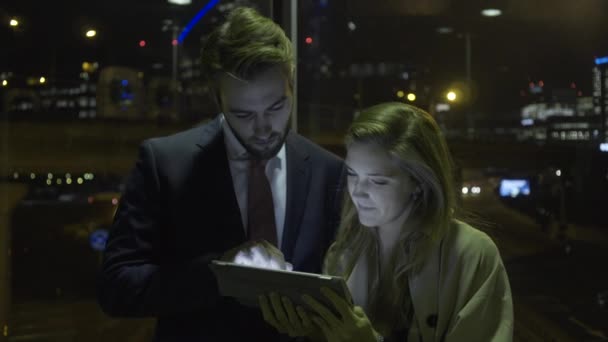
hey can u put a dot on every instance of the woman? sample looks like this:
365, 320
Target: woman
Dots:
415, 272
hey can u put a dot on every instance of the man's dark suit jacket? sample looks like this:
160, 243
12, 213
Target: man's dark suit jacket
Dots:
179, 211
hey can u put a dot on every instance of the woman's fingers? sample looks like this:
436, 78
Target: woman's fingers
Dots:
322, 311
292, 316
325, 328
341, 305
304, 317
269, 315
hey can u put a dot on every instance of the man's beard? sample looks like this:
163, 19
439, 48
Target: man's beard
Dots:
268, 152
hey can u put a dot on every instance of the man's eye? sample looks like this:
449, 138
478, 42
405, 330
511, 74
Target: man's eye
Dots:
242, 115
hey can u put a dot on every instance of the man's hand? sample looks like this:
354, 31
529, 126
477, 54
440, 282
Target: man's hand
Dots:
258, 254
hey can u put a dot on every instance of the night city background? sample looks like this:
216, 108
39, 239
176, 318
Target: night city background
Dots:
518, 87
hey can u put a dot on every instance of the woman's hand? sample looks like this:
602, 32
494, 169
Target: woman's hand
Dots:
353, 325
281, 314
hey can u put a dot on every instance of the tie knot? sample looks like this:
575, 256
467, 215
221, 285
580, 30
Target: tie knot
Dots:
258, 163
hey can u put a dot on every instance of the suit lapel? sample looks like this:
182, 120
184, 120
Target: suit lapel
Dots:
219, 187
298, 178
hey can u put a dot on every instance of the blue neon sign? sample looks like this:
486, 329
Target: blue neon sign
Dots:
601, 60
196, 19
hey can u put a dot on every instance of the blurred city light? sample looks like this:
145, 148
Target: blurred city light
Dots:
527, 122
14, 22
32, 175
142, 43
174, 42
491, 12
465, 190
451, 96
180, 2
604, 147
601, 60
42, 80
442, 107
558, 173
79, 180
400, 94
308, 40
445, 30
91, 33
411, 97
4, 83
352, 26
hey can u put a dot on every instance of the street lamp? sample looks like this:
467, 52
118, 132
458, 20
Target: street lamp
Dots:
13, 22
180, 2
411, 97
91, 33
451, 96
491, 12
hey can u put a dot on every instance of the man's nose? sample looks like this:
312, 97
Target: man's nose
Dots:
262, 125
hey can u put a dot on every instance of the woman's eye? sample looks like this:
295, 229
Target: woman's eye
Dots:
278, 106
379, 182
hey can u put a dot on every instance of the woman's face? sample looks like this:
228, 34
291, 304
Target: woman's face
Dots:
380, 190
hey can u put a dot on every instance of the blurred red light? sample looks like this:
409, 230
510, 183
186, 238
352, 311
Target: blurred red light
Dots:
308, 40
90, 199
174, 42
573, 85
142, 43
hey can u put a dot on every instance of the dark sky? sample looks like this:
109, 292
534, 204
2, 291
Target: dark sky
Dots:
552, 40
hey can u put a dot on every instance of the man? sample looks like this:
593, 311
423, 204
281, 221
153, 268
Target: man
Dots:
207, 192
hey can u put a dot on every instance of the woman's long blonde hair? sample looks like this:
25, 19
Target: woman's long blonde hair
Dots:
403, 131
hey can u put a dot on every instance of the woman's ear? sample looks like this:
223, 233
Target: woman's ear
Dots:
417, 193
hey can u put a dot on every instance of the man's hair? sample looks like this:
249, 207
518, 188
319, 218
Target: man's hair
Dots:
244, 45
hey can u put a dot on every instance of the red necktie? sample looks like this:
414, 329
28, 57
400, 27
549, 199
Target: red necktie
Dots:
260, 207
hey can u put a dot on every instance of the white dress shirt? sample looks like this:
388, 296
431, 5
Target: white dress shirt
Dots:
276, 172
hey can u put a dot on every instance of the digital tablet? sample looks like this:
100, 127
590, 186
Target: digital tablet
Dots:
246, 283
